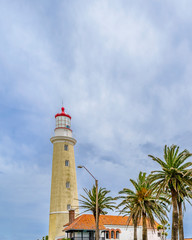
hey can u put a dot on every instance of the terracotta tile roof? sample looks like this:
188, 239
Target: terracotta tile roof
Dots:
87, 222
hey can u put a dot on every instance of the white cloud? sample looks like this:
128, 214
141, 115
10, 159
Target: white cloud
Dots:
123, 73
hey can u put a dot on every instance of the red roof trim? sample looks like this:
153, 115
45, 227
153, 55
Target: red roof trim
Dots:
62, 113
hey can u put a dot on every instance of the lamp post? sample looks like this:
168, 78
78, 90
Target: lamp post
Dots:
97, 212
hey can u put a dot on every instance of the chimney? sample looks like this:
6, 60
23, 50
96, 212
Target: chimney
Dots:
71, 216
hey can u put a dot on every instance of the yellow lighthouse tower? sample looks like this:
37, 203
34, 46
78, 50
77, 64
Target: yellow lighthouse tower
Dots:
63, 184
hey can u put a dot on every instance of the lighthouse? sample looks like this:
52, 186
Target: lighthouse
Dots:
63, 183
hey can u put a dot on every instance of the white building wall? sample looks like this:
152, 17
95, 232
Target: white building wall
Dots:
127, 233
153, 234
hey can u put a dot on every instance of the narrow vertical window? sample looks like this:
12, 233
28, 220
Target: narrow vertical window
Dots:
68, 206
67, 163
112, 234
107, 235
67, 184
66, 147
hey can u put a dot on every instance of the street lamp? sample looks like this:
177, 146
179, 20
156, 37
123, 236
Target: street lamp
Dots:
97, 215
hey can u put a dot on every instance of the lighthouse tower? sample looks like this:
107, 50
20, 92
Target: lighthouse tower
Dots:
63, 184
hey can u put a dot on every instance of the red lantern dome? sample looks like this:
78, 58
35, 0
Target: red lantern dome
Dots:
62, 113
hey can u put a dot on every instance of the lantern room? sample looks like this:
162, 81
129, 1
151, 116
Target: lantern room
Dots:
63, 124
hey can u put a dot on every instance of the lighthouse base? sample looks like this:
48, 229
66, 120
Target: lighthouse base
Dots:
56, 225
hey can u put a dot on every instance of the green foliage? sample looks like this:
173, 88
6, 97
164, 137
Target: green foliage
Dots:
175, 178
159, 227
44, 238
175, 173
164, 228
143, 200
88, 202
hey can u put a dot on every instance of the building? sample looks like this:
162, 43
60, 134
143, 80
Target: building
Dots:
64, 197
111, 227
63, 184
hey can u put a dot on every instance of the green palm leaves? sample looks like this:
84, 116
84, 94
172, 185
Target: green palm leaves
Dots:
151, 194
143, 203
175, 173
175, 177
88, 202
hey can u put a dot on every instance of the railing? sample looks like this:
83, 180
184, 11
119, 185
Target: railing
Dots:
86, 238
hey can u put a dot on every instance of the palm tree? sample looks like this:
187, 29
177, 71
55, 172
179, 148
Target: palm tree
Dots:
143, 203
105, 202
163, 228
174, 177
180, 219
181, 204
128, 209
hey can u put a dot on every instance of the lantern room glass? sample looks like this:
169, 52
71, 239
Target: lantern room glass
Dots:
63, 122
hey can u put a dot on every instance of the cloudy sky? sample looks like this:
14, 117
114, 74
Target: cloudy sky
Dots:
123, 71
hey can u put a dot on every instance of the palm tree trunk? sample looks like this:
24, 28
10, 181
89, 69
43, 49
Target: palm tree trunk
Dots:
144, 226
181, 233
174, 235
135, 229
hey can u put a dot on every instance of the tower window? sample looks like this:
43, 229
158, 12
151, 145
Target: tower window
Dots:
66, 147
68, 206
107, 235
67, 184
112, 234
67, 163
